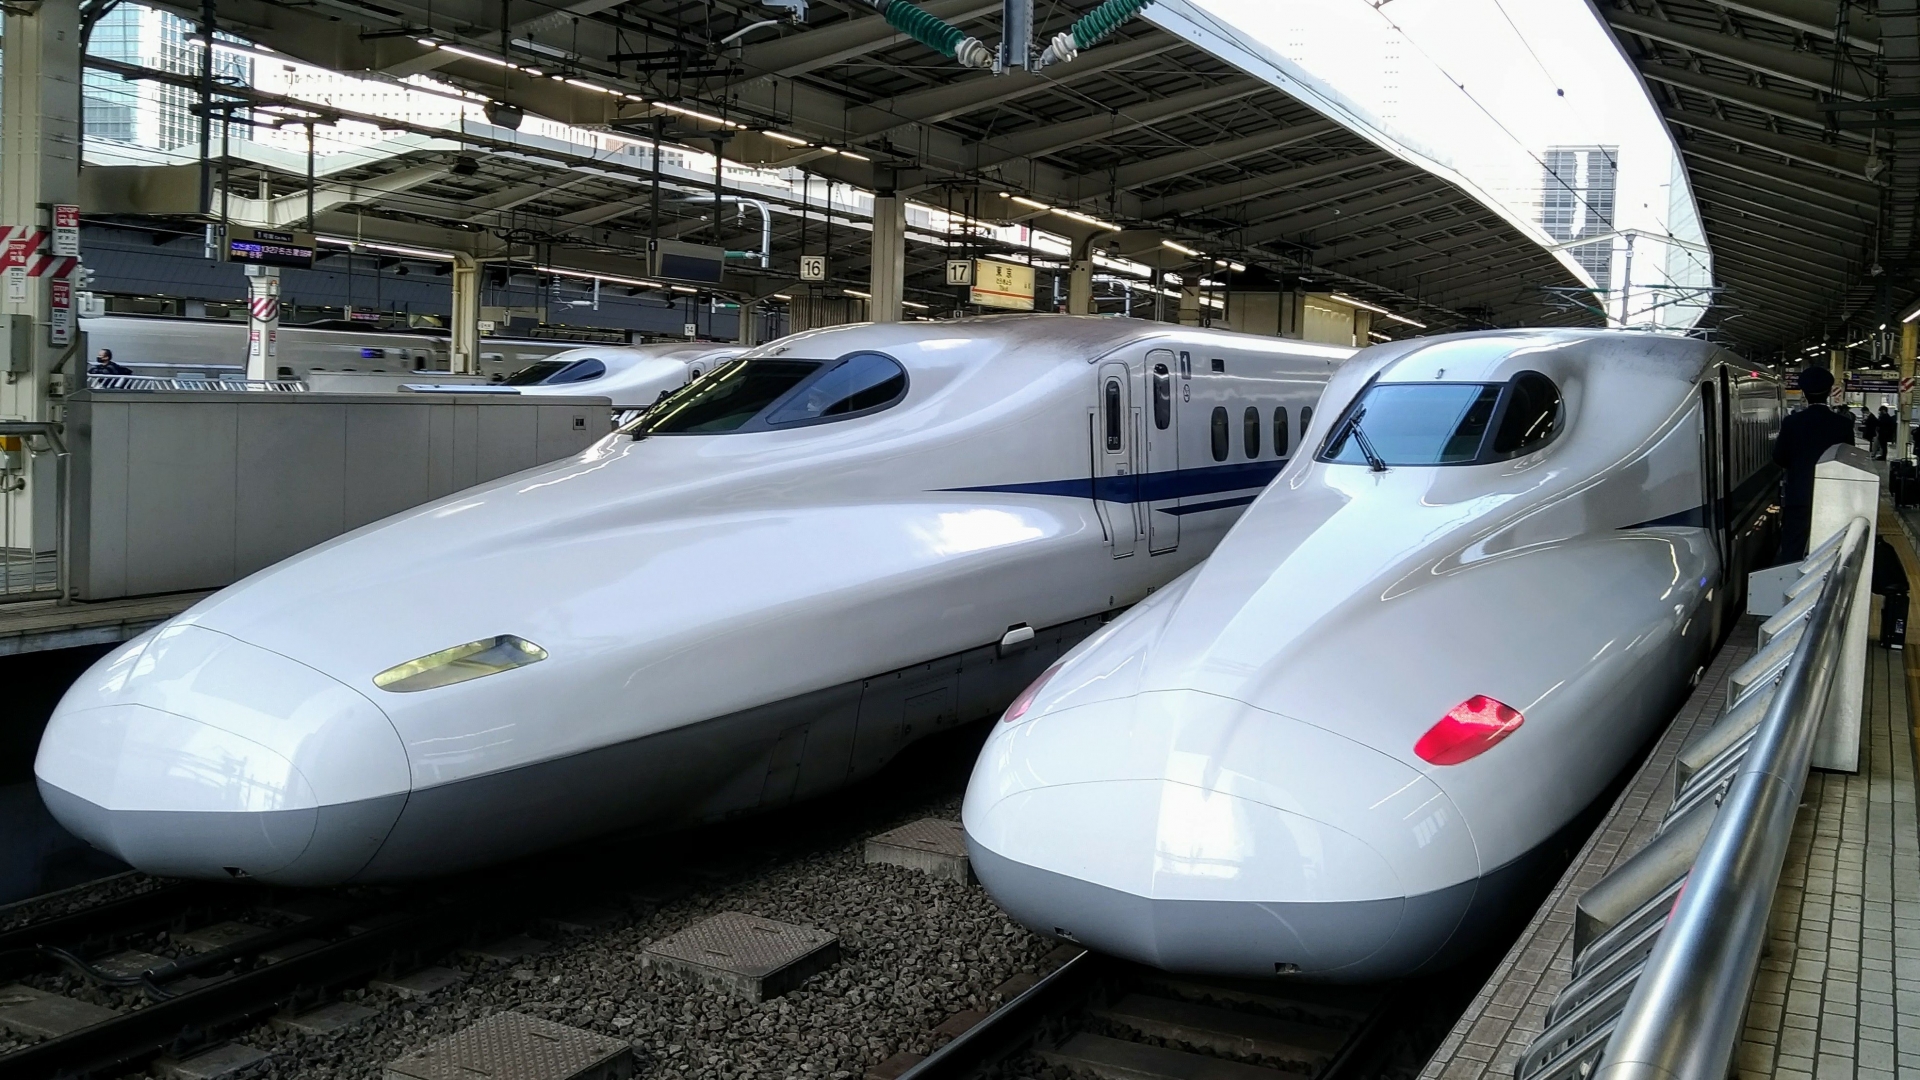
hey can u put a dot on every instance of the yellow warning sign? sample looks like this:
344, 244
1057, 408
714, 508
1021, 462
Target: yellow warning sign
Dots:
1002, 285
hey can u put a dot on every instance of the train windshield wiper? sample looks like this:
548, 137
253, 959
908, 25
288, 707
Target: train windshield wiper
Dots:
1352, 428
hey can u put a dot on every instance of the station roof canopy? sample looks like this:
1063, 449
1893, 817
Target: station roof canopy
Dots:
1145, 131
1775, 106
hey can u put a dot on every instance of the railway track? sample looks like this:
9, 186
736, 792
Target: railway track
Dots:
1100, 1017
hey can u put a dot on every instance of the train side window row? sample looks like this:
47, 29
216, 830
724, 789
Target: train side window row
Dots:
1222, 435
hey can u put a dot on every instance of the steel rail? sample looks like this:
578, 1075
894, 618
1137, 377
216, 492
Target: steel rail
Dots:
1684, 1017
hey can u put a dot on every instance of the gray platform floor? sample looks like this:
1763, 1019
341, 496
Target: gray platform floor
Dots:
36, 625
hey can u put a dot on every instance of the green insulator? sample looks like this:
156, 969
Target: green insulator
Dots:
1103, 20
929, 30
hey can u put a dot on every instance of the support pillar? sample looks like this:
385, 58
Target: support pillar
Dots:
888, 270
749, 333
263, 323
1080, 278
465, 344
1837, 363
39, 167
1909, 344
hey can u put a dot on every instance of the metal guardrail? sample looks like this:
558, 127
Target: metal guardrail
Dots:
27, 573
1667, 946
150, 383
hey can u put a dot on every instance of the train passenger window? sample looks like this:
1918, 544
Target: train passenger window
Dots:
1530, 416
1250, 431
726, 400
1110, 408
857, 383
1219, 366
1220, 436
1281, 436
1162, 397
1414, 424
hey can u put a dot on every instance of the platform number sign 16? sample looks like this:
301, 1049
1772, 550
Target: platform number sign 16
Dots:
813, 268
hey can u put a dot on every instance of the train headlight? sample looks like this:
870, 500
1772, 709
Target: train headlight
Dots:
1469, 729
488, 656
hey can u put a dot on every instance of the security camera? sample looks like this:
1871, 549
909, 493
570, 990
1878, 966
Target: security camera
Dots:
501, 114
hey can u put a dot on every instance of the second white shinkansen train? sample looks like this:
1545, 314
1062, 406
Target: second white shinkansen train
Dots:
167, 347
1495, 568
764, 588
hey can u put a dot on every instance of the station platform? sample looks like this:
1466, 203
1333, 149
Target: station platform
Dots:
39, 625
1838, 990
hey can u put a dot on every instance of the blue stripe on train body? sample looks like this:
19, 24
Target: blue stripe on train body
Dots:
1155, 486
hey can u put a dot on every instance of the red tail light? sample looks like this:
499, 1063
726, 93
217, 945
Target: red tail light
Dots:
1025, 701
1469, 729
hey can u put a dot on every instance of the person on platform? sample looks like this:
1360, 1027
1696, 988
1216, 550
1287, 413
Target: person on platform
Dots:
1804, 436
103, 365
1845, 412
1889, 431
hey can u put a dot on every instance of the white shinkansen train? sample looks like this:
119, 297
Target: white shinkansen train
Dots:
1493, 571
162, 346
763, 589
633, 377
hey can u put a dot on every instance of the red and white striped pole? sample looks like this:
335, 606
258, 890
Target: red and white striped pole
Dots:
263, 322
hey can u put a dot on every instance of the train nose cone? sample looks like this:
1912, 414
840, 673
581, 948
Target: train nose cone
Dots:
1195, 833
191, 753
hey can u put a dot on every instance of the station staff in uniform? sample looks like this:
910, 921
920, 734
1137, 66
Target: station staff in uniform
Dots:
1804, 436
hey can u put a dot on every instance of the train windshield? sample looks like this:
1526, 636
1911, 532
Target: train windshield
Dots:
727, 399
536, 373
1414, 424
774, 395
1446, 423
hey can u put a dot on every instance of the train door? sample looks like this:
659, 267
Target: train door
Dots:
1163, 454
1115, 476
1712, 469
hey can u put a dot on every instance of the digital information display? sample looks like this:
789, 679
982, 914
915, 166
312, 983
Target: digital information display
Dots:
268, 247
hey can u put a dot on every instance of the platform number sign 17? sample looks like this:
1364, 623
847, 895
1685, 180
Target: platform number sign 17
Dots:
813, 268
959, 271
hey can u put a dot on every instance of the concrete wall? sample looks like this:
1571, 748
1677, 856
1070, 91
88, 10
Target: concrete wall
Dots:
176, 491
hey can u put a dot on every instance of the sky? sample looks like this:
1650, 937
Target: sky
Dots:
1480, 89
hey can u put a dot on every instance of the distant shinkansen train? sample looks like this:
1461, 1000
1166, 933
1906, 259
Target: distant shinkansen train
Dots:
1494, 570
788, 570
159, 345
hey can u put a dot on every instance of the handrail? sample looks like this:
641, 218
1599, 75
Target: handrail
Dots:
1683, 1019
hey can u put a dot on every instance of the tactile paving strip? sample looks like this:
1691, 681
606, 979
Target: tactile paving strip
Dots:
513, 1046
758, 958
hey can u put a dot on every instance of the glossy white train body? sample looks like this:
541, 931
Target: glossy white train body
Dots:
728, 621
1247, 773
199, 348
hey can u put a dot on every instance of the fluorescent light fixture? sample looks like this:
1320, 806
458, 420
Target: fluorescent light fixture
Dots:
584, 85
911, 304
428, 42
1910, 316
1006, 194
858, 294
854, 156
1403, 319
584, 276
1378, 336
781, 136
1035, 204
482, 57
781, 296
1181, 248
1361, 304
1086, 219
419, 253
683, 288
695, 113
